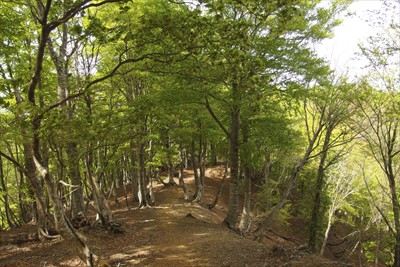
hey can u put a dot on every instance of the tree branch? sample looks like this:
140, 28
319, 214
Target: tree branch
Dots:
16, 163
207, 104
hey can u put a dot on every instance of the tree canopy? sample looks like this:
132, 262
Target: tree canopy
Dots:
99, 95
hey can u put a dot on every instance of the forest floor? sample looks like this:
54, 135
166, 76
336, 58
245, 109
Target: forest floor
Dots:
173, 233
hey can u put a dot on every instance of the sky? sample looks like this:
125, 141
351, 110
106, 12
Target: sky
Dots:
341, 50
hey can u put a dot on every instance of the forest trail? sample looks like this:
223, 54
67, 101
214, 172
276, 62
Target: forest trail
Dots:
173, 233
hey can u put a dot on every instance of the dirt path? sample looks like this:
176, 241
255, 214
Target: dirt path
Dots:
174, 233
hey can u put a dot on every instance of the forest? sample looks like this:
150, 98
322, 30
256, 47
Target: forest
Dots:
107, 97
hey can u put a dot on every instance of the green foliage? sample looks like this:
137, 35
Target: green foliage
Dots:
171, 67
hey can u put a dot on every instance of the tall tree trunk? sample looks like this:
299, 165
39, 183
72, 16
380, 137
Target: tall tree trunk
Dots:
214, 156
245, 218
43, 219
292, 180
77, 203
221, 185
231, 218
61, 61
152, 174
142, 185
63, 226
378, 242
326, 235
313, 136
202, 169
195, 172
23, 206
19, 178
4, 189
396, 211
39, 208
135, 172
267, 167
181, 174
316, 211
169, 161
101, 205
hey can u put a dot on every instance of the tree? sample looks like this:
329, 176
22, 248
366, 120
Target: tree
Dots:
379, 128
341, 184
334, 110
378, 103
48, 19
252, 48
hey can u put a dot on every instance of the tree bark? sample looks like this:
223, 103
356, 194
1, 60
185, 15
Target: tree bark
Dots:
267, 167
202, 169
221, 185
61, 62
326, 235
195, 171
63, 226
135, 172
169, 161
231, 218
316, 216
292, 180
142, 184
101, 205
245, 218
77, 203
5, 200
181, 174
396, 211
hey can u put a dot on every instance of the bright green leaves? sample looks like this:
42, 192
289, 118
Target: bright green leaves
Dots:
96, 28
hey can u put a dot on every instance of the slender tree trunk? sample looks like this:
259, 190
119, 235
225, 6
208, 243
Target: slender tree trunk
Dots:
63, 226
169, 161
142, 185
19, 178
77, 203
181, 174
214, 159
245, 218
43, 218
102, 208
125, 180
316, 211
152, 175
4, 189
292, 180
378, 243
221, 185
151, 188
39, 207
326, 235
267, 167
135, 172
23, 206
200, 160
396, 212
231, 218
195, 172
170, 172
60, 61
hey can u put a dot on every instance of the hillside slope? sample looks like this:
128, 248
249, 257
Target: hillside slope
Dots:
173, 233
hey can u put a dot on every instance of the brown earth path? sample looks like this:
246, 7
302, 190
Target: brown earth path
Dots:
173, 233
